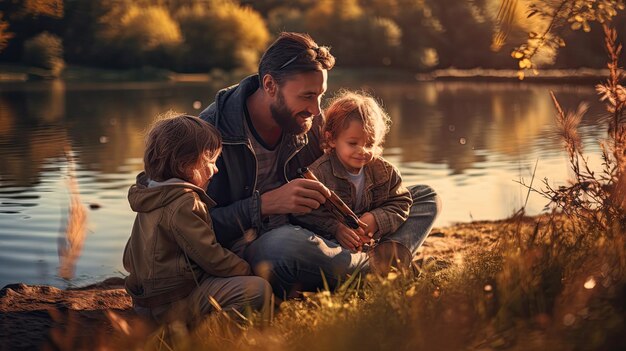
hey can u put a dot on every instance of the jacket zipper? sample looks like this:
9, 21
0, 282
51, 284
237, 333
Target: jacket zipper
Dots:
256, 160
291, 156
287, 162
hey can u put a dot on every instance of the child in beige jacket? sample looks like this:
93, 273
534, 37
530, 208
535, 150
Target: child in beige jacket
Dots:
178, 270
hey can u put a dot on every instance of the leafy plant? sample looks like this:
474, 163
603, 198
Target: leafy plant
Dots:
597, 199
133, 36
221, 34
46, 51
577, 14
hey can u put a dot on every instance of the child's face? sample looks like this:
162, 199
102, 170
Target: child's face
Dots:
204, 171
352, 147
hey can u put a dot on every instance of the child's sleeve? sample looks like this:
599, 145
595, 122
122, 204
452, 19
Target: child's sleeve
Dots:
394, 210
196, 237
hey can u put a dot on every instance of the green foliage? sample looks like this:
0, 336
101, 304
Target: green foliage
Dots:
465, 40
83, 26
267, 6
45, 51
5, 35
133, 35
221, 34
418, 35
286, 19
577, 14
26, 19
418, 41
51, 8
357, 39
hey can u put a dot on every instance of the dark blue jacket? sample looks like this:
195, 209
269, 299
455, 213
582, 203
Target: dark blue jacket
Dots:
234, 186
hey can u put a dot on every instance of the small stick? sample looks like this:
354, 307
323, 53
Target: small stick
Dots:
350, 219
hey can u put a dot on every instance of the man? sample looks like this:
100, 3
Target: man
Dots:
270, 125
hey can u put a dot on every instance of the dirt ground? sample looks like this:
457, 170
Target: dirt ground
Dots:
44, 317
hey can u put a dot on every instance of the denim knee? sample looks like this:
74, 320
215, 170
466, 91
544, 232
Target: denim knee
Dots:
281, 244
425, 196
257, 292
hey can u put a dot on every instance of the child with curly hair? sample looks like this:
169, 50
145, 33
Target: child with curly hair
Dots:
352, 166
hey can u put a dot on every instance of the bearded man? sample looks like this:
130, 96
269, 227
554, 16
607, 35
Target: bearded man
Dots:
271, 125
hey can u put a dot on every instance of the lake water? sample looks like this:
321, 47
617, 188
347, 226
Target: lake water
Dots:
470, 141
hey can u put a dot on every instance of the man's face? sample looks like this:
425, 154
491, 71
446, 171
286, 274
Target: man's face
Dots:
297, 101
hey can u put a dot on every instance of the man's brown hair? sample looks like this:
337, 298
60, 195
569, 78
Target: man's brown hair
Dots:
175, 144
294, 53
348, 106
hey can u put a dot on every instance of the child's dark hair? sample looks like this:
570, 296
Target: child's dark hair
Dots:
349, 106
175, 143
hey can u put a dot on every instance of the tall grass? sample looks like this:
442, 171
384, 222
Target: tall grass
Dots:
70, 243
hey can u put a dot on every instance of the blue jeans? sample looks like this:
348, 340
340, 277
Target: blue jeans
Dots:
293, 259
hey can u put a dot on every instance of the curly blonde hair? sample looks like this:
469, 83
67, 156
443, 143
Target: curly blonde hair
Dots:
348, 106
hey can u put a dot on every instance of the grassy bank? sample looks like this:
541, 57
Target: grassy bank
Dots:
539, 285
525, 283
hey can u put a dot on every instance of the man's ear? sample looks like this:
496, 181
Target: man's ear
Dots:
329, 139
269, 85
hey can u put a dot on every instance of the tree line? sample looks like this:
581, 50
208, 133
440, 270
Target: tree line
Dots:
201, 35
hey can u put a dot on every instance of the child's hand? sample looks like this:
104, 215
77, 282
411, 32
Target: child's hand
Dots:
372, 226
348, 238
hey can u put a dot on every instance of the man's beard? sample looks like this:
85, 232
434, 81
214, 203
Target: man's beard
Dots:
286, 119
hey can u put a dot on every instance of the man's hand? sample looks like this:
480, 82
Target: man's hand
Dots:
349, 238
372, 226
297, 196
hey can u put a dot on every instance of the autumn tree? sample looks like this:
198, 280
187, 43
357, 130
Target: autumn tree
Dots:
357, 38
45, 50
132, 36
5, 35
24, 19
221, 33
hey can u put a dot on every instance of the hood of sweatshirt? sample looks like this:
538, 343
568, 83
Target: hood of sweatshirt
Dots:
146, 195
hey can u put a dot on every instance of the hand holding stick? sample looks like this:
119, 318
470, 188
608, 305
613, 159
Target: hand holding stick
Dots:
349, 218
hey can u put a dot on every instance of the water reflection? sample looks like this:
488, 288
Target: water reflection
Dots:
452, 123
468, 140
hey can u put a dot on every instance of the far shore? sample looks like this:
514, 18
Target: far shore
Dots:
11, 73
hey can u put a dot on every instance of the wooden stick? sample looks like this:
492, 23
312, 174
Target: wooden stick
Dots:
337, 202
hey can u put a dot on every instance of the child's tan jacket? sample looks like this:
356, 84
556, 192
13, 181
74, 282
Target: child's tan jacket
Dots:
172, 244
384, 196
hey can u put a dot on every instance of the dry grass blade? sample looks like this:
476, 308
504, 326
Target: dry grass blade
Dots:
558, 106
118, 322
324, 281
618, 196
214, 303
240, 315
72, 240
350, 285
568, 125
162, 342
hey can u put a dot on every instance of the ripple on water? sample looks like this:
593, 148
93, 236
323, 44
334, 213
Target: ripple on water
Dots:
11, 190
